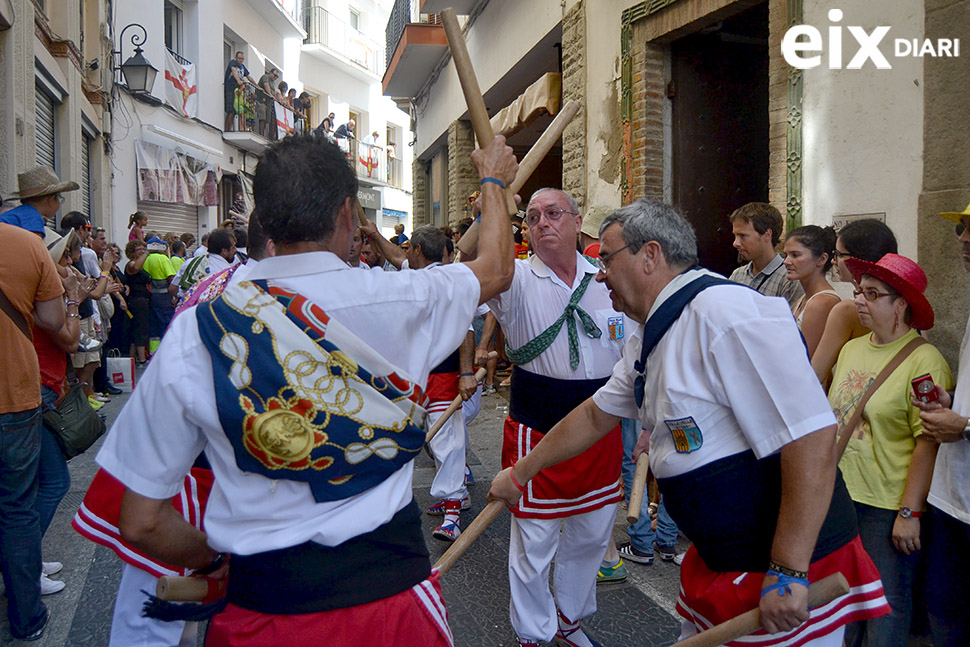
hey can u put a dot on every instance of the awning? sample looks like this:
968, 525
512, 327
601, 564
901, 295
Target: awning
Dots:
542, 97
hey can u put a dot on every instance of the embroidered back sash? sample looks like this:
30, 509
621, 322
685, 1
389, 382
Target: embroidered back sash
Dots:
301, 398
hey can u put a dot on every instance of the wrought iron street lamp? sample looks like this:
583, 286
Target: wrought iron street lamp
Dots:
139, 74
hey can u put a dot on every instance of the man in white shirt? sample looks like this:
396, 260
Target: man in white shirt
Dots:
316, 551
947, 541
563, 337
221, 247
746, 470
757, 228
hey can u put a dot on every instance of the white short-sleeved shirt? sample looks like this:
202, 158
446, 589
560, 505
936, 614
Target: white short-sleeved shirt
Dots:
413, 319
216, 264
731, 375
537, 297
950, 489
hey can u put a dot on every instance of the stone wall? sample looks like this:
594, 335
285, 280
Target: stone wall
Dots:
946, 176
644, 144
574, 150
419, 196
462, 176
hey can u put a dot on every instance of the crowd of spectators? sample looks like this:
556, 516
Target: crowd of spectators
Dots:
251, 105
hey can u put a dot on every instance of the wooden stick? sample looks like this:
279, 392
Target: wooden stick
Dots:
543, 145
469, 535
361, 216
455, 405
173, 588
637, 488
469, 86
819, 593
527, 166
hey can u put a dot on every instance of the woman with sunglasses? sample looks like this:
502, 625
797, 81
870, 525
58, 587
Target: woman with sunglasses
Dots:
868, 240
809, 251
888, 464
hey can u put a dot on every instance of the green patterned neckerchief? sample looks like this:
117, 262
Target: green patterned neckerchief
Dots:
537, 346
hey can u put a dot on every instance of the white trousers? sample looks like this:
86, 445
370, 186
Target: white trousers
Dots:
448, 449
471, 407
578, 544
129, 628
834, 639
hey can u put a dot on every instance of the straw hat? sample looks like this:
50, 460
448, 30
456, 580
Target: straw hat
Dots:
594, 218
57, 244
40, 181
957, 216
903, 275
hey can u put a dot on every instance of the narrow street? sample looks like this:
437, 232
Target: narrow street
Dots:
635, 613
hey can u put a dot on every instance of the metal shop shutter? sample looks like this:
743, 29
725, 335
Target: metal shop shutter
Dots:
45, 127
164, 217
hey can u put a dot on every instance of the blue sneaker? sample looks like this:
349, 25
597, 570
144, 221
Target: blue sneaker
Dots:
469, 477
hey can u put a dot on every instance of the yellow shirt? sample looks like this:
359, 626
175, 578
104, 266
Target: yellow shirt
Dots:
876, 461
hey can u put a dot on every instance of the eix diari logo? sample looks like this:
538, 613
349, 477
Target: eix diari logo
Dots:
806, 53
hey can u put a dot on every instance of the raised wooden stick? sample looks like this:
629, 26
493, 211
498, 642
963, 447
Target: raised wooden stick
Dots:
361, 216
455, 404
469, 535
543, 145
637, 488
819, 593
469, 86
528, 165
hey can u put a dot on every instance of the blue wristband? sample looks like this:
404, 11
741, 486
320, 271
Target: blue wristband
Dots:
783, 584
466, 375
493, 181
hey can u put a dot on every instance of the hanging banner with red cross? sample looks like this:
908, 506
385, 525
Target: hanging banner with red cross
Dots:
181, 91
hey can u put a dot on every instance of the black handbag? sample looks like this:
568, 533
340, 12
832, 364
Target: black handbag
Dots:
74, 422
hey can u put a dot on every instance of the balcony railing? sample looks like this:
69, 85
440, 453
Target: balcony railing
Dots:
178, 57
259, 113
395, 172
396, 22
323, 28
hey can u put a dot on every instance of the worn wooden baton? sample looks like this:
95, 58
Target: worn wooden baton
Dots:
174, 588
637, 488
470, 534
819, 593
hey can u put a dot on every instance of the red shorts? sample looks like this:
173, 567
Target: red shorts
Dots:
413, 617
708, 598
580, 484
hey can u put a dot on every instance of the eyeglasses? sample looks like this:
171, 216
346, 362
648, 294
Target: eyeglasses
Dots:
602, 261
552, 214
59, 197
837, 255
871, 294
961, 227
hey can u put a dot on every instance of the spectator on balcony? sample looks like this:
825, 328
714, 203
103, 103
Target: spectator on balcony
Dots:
293, 102
236, 76
345, 131
281, 91
303, 105
266, 112
371, 139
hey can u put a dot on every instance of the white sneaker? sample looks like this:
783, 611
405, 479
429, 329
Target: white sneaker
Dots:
49, 568
48, 586
679, 558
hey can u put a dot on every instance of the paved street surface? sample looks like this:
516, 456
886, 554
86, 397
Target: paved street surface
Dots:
636, 613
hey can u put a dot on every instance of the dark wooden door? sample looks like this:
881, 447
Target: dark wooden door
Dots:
720, 128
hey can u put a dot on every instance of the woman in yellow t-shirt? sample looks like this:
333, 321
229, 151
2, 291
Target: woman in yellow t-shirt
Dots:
887, 464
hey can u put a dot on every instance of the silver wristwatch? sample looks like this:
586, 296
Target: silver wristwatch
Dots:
966, 430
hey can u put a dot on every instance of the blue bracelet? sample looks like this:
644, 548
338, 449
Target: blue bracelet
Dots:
783, 583
493, 181
466, 375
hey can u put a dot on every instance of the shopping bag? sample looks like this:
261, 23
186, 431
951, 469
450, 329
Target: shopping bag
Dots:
121, 372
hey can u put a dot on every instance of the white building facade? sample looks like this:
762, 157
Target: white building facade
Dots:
185, 155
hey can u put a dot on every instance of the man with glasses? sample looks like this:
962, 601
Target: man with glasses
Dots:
746, 470
39, 190
947, 542
563, 337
